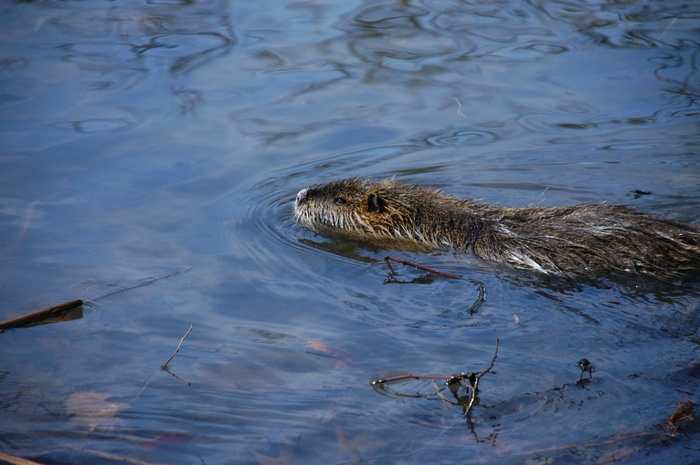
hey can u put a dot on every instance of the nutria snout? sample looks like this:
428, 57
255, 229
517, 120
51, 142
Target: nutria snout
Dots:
570, 241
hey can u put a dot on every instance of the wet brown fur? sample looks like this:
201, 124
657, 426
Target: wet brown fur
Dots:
570, 241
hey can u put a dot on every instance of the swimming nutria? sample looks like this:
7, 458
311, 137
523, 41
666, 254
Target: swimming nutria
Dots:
570, 241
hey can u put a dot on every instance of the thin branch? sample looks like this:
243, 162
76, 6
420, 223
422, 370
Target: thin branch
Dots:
419, 267
439, 392
141, 283
467, 379
411, 376
165, 365
459, 108
474, 382
392, 279
493, 360
60, 310
479, 300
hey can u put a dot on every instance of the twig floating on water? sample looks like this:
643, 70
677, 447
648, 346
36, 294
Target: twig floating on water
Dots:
34, 317
165, 365
406, 376
141, 283
14, 460
479, 300
419, 267
467, 379
475, 382
58, 311
479, 285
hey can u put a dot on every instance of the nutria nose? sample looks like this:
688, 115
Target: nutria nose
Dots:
301, 196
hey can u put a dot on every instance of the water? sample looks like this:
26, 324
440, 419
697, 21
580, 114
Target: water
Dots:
142, 138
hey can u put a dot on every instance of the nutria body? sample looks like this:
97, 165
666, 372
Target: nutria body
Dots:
570, 241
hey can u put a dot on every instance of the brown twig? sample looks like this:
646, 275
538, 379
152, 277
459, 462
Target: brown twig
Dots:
684, 412
467, 379
14, 460
58, 311
407, 376
447, 377
392, 273
55, 311
419, 267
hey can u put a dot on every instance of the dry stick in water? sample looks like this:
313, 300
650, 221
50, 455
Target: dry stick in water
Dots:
417, 266
477, 377
165, 365
468, 379
50, 312
14, 460
479, 285
142, 283
162, 367
61, 309
482, 297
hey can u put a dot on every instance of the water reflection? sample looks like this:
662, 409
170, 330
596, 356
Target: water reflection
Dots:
122, 50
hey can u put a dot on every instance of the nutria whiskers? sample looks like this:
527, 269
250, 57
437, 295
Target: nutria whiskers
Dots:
569, 241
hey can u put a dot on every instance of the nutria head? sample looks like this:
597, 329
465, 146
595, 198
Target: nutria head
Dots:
355, 206
379, 210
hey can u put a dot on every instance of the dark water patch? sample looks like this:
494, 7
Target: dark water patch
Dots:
96, 125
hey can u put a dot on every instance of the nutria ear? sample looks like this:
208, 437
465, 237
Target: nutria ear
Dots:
373, 203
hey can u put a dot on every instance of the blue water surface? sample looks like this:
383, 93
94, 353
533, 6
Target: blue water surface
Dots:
144, 138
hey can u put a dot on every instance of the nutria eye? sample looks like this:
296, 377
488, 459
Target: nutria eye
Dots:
340, 201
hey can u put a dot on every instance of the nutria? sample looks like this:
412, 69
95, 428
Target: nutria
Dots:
569, 241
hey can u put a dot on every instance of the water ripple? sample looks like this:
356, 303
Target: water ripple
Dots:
390, 15
462, 138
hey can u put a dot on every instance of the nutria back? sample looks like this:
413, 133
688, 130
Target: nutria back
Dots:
571, 241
